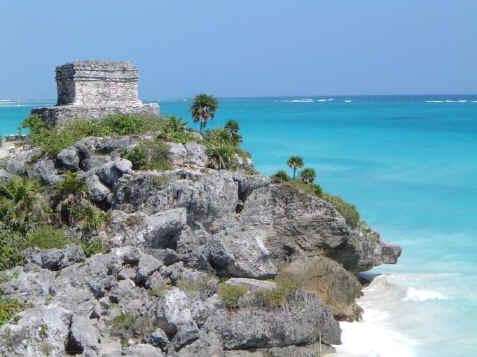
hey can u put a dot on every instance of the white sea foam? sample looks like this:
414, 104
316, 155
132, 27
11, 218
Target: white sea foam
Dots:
376, 335
348, 101
462, 101
302, 100
421, 295
434, 101
372, 337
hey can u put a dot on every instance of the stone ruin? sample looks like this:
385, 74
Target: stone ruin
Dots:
95, 89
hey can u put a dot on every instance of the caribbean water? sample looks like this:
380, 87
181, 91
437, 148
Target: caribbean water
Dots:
409, 163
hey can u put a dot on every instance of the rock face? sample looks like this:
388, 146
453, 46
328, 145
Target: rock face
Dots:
196, 265
95, 89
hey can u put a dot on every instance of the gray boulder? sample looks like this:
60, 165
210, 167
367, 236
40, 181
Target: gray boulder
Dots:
40, 331
174, 316
68, 158
302, 322
83, 337
55, 259
143, 350
98, 192
240, 253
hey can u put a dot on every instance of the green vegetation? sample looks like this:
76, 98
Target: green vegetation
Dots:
280, 177
272, 298
306, 185
93, 246
150, 155
348, 211
223, 146
231, 294
126, 326
8, 309
47, 237
233, 128
21, 206
54, 139
203, 109
308, 175
175, 129
295, 162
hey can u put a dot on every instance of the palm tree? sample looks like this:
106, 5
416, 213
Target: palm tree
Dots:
233, 128
203, 109
295, 162
308, 175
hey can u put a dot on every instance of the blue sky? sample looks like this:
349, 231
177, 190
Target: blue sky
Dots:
246, 47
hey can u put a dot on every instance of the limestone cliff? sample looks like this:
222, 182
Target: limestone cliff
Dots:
177, 240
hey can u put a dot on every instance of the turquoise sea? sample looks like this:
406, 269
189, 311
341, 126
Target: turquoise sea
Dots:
409, 163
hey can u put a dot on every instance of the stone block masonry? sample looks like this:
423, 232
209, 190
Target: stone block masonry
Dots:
95, 89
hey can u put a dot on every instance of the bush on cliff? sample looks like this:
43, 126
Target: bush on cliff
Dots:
175, 129
347, 210
54, 139
8, 309
149, 155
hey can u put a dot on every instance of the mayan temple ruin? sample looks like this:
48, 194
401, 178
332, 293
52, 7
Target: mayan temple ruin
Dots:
95, 89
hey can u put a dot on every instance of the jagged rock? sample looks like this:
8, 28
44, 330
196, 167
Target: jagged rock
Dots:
252, 284
301, 323
44, 169
5, 175
336, 287
98, 192
312, 350
18, 164
164, 228
68, 158
196, 155
143, 350
175, 318
83, 337
29, 287
146, 266
206, 197
110, 173
240, 253
39, 331
55, 259
159, 339
177, 154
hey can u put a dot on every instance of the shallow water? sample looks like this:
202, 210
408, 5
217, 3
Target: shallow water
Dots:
410, 166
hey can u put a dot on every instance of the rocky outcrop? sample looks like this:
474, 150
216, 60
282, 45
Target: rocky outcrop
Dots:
195, 265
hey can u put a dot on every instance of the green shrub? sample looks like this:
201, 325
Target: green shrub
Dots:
21, 206
54, 139
83, 214
71, 185
150, 155
221, 156
270, 298
293, 185
348, 211
93, 247
47, 237
126, 326
230, 295
175, 129
129, 124
8, 309
11, 246
280, 176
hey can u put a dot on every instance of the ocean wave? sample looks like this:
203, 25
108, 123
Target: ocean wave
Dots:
421, 295
302, 100
434, 101
373, 337
348, 101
